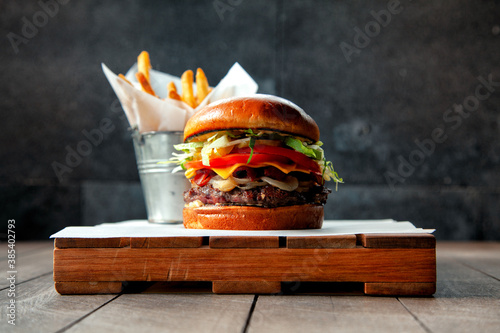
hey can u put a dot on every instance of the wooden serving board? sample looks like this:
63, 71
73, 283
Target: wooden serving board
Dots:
383, 264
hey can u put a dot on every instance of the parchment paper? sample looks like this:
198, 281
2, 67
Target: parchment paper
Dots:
149, 113
142, 228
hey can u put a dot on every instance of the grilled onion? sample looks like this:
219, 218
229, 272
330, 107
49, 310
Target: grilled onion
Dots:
289, 184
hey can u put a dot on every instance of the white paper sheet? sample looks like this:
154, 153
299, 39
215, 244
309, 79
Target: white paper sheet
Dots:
142, 228
150, 113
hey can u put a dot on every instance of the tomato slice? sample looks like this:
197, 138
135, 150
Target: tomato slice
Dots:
230, 159
299, 158
262, 154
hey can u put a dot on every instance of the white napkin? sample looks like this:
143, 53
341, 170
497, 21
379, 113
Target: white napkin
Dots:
149, 113
141, 228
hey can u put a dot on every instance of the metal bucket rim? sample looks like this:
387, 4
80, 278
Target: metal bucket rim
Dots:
161, 132
136, 132
140, 137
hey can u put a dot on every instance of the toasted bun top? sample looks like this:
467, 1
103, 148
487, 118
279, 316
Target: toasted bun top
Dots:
264, 112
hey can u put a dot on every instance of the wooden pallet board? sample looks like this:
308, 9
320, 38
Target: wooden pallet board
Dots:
386, 264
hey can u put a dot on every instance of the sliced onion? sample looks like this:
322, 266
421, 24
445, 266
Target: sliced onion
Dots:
228, 184
252, 185
290, 183
224, 185
241, 181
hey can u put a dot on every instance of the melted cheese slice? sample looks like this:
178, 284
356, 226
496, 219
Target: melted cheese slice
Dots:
228, 171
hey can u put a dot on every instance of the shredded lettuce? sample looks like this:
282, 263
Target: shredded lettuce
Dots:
216, 145
329, 173
222, 142
219, 142
187, 147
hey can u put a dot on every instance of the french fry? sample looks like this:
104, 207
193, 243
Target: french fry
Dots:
202, 89
144, 83
174, 95
125, 79
172, 91
186, 94
143, 64
187, 88
171, 87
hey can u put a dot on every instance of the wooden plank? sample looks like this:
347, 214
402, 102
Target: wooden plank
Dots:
25, 247
244, 242
326, 242
483, 256
466, 300
489, 266
391, 241
273, 264
83, 288
172, 313
63, 243
469, 249
165, 242
31, 265
331, 314
246, 287
400, 289
458, 280
41, 309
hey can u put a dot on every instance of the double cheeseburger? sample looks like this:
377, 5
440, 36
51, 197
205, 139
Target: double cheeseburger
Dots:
254, 163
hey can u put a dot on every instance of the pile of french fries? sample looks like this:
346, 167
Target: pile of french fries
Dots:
187, 94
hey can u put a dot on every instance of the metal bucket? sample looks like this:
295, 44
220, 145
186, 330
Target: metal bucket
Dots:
163, 190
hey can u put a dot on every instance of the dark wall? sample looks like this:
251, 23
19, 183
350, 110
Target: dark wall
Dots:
388, 97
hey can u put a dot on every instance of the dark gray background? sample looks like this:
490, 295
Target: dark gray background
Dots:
370, 110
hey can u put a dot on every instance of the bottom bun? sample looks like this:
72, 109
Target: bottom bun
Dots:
254, 218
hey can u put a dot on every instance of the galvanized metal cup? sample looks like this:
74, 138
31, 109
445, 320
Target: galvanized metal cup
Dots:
163, 190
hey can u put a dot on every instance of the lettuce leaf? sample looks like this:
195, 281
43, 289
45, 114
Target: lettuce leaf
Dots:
297, 145
251, 144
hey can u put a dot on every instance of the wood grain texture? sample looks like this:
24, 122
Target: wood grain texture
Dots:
400, 289
244, 242
25, 247
165, 242
41, 309
31, 264
325, 242
169, 313
391, 241
483, 256
466, 299
246, 287
331, 314
63, 243
84, 288
202, 264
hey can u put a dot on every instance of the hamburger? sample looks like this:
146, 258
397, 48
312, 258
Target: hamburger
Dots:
254, 163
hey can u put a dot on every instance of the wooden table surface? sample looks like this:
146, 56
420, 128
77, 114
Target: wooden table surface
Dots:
467, 300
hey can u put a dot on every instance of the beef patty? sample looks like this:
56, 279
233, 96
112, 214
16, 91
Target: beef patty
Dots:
263, 196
